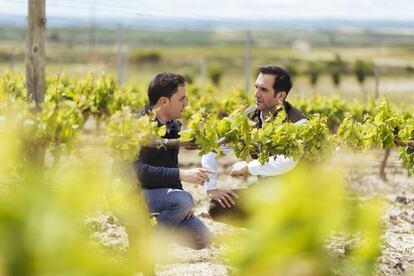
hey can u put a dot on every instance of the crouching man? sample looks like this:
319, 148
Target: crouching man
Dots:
158, 171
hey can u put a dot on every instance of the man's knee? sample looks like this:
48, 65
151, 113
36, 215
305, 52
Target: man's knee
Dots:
183, 201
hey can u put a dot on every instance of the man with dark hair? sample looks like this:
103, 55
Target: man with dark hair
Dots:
271, 89
158, 171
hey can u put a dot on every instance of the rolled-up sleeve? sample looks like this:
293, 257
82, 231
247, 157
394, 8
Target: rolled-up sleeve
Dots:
209, 161
276, 165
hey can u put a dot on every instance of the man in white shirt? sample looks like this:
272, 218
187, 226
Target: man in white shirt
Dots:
272, 87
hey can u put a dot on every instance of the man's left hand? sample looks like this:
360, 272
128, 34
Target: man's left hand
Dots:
226, 198
189, 215
239, 169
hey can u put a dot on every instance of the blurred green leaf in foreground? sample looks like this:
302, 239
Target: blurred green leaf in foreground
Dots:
294, 217
42, 219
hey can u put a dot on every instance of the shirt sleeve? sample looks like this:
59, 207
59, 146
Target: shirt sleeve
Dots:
209, 161
153, 177
159, 177
276, 165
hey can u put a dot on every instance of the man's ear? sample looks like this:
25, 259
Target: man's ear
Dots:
281, 96
162, 101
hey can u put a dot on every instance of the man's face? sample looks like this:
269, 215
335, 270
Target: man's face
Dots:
264, 93
175, 105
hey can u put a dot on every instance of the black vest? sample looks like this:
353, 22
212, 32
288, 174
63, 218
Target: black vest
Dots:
293, 115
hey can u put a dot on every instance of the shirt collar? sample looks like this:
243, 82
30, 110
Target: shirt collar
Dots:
171, 125
161, 122
262, 119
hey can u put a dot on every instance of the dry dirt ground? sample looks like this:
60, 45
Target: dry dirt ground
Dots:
397, 256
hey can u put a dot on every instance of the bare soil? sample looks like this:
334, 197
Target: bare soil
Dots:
397, 256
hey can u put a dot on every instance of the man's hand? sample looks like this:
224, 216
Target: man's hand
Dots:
239, 169
197, 175
189, 215
224, 197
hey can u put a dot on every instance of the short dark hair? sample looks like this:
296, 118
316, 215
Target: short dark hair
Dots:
283, 81
164, 85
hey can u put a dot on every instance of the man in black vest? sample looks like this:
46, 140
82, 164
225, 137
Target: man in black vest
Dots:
157, 169
272, 87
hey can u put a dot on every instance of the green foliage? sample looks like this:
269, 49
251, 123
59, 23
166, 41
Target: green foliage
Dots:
239, 137
406, 134
235, 99
292, 218
40, 232
352, 132
377, 131
361, 127
146, 57
385, 122
12, 85
211, 117
310, 140
126, 134
131, 97
315, 69
213, 101
206, 130
317, 142
188, 76
94, 95
276, 137
292, 68
362, 69
334, 109
215, 73
60, 88
204, 135
336, 69
42, 228
58, 126
17, 124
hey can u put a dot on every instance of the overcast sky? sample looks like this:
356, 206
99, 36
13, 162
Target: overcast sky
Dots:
222, 9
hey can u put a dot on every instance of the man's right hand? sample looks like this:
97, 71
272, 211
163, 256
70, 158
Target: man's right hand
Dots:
226, 198
197, 175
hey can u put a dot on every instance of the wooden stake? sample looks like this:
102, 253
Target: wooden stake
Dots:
35, 52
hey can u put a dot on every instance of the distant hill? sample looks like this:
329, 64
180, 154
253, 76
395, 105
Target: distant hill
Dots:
207, 24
